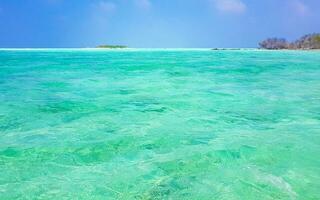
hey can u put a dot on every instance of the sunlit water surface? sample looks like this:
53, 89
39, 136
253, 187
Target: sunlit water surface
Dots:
159, 124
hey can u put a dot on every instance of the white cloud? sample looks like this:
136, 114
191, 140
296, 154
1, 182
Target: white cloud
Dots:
299, 7
106, 6
143, 4
230, 6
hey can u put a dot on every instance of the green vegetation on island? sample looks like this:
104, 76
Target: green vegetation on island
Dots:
307, 42
112, 46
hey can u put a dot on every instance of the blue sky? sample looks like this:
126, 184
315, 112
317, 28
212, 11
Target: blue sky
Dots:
154, 23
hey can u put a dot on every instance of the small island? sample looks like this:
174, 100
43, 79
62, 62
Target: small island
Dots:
112, 46
307, 42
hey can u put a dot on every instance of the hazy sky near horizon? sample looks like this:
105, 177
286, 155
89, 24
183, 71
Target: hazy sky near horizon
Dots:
154, 23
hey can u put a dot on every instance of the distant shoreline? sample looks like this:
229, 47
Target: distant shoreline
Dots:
112, 47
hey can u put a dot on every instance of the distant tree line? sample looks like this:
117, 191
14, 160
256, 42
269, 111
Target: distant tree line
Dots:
310, 41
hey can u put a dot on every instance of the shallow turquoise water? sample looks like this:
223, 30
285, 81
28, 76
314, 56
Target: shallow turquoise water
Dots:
160, 124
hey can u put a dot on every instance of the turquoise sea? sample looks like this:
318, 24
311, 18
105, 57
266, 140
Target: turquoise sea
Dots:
159, 124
